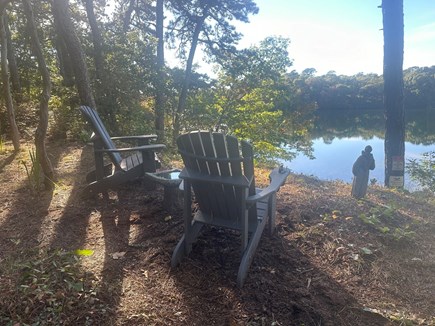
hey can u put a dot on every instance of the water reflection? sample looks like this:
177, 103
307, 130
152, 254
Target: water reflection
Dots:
339, 138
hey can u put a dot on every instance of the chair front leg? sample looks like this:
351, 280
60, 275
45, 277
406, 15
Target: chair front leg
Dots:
148, 157
244, 213
99, 162
272, 213
187, 215
148, 161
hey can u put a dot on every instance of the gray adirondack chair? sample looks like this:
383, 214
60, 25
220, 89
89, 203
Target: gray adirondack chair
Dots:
221, 174
121, 169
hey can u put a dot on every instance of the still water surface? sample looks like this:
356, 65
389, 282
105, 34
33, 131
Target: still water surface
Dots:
335, 156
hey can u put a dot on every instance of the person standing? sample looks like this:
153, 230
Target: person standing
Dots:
360, 170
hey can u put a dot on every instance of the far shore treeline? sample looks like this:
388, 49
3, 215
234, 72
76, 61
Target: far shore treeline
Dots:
365, 91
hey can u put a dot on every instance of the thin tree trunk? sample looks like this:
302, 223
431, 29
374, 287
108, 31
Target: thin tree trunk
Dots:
13, 68
392, 12
160, 85
15, 135
97, 39
41, 130
3, 4
65, 64
186, 83
62, 12
127, 17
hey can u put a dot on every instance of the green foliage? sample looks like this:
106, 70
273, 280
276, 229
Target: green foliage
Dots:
2, 144
251, 100
213, 18
423, 170
378, 218
49, 288
34, 172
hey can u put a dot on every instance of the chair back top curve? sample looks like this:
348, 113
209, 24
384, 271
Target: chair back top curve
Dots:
220, 171
101, 132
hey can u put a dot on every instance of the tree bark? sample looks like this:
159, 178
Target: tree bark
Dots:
15, 135
13, 68
127, 17
160, 85
65, 64
97, 39
188, 73
392, 12
3, 4
63, 15
41, 130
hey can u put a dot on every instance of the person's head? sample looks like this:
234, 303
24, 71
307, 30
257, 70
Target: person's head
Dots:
368, 149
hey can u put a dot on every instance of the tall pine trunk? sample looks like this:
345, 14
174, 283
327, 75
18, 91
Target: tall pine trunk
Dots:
160, 84
392, 12
65, 63
63, 15
13, 67
97, 40
41, 130
15, 135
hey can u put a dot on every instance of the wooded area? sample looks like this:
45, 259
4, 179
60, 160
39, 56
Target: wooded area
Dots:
111, 56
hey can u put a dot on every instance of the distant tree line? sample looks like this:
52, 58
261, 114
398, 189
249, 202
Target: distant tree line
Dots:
363, 91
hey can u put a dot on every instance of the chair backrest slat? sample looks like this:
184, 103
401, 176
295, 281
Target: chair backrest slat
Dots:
100, 130
214, 154
225, 171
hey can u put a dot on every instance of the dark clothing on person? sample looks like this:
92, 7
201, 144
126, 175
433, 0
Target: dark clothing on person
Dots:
360, 170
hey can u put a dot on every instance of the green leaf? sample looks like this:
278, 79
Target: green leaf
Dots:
367, 251
84, 252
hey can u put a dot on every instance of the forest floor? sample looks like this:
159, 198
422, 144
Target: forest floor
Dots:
333, 260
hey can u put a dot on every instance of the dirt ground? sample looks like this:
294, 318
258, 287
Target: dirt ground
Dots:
333, 260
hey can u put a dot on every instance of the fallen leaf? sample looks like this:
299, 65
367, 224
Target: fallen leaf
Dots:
367, 251
84, 252
118, 255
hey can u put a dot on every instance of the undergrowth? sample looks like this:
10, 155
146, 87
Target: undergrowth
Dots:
377, 218
48, 288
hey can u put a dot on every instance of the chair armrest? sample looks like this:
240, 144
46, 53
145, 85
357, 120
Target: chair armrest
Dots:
139, 137
239, 181
152, 147
277, 178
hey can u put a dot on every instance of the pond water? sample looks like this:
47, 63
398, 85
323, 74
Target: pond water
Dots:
339, 147
333, 161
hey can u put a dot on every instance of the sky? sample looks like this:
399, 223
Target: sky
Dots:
344, 36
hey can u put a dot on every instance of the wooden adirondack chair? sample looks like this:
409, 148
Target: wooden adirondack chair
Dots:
221, 175
119, 170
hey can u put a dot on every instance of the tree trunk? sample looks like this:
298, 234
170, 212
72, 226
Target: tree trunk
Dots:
186, 83
63, 15
97, 39
65, 64
41, 130
128, 13
160, 85
15, 135
13, 68
392, 12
